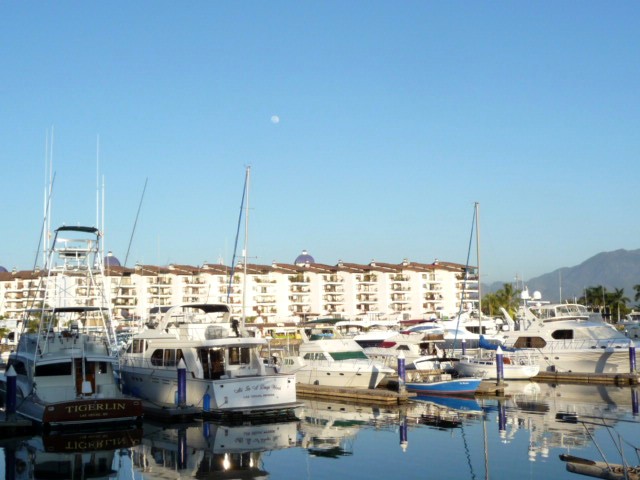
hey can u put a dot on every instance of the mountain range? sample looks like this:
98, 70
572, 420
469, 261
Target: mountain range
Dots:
612, 270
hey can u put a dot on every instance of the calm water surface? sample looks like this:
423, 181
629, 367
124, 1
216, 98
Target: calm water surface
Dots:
521, 436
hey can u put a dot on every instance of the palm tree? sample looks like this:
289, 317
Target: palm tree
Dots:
618, 302
637, 289
507, 297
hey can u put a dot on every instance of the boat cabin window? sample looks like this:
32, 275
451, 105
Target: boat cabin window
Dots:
314, 356
137, 346
239, 356
562, 334
212, 360
167, 357
530, 342
19, 367
157, 356
53, 369
99, 367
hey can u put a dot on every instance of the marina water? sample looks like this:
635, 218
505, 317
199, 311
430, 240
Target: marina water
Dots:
519, 435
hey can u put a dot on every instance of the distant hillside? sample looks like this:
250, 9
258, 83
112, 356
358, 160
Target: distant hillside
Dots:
617, 269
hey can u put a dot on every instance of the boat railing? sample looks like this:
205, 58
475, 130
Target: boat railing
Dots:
585, 344
361, 362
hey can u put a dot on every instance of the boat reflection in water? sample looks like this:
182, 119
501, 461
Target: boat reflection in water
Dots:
209, 449
531, 421
69, 456
328, 429
564, 417
442, 412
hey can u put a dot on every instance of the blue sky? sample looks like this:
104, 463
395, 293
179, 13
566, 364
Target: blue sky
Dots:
394, 118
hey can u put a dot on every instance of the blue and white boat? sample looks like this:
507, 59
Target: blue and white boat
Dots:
451, 386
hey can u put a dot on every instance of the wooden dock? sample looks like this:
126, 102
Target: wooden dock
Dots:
377, 396
15, 426
595, 378
169, 412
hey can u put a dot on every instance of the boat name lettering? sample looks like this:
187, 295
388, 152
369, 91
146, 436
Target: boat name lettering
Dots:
104, 444
95, 407
249, 388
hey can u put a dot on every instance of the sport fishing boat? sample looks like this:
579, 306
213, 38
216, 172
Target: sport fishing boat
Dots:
224, 367
64, 361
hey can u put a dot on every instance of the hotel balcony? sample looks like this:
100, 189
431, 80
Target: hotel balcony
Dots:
300, 288
399, 297
334, 288
367, 288
332, 279
262, 299
299, 279
399, 277
191, 299
125, 302
400, 307
363, 297
366, 278
125, 295
333, 298
234, 290
263, 280
400, 287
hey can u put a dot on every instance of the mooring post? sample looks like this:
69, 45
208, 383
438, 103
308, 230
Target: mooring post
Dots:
404, 442
632, 357
402, 374
12, 391
182, 383
499, 365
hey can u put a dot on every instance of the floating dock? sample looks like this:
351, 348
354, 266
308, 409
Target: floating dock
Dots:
375, 396
15, 426
595, 378
169, 412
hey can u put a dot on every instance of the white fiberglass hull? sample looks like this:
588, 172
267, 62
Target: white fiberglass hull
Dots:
234, 394
489, 370
341, 376
585, 361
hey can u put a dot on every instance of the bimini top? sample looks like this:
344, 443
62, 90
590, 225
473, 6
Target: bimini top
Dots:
74, 309
205, 307
66, 228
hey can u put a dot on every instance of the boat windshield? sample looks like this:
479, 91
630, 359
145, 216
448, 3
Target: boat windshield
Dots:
561, 311
348, 355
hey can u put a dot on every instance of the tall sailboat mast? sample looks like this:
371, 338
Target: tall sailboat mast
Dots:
477, 211
244, 250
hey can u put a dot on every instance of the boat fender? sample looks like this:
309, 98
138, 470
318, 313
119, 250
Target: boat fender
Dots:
521, 361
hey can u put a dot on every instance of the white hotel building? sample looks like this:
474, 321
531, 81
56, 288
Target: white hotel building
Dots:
276, 292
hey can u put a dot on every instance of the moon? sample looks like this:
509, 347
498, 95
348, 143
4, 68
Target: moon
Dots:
275, 119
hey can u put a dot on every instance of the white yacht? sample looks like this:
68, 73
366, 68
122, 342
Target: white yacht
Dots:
568, 337
325, 358
421, 351
225, 372
65, 358
516, 365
